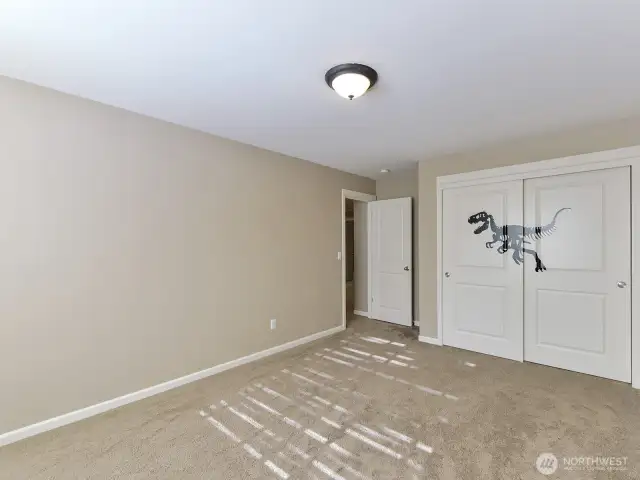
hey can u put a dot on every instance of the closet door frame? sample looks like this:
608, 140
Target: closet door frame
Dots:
622, 157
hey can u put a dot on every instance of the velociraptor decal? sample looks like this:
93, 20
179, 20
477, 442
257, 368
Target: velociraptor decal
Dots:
514, 237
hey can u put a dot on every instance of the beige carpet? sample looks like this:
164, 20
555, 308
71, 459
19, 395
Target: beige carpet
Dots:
369, 403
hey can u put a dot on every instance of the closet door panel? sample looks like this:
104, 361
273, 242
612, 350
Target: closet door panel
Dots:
577, 267
482, 281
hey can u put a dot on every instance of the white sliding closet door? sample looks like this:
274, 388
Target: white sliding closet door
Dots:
482, 284
578, 311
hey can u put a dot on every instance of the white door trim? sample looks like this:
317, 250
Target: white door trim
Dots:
361, 197
578, 163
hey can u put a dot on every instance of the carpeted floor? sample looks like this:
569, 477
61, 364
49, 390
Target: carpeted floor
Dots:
369, 403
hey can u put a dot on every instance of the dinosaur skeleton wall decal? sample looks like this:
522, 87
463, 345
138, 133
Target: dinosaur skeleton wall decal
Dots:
514, 237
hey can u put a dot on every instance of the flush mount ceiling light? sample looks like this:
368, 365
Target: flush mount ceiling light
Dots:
351, 80
385, 170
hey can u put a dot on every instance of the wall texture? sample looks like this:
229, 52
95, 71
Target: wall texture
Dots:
618, 134
361, 273
402, 184
135, 251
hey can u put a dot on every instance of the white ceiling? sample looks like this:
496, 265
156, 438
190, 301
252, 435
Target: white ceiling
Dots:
454, 74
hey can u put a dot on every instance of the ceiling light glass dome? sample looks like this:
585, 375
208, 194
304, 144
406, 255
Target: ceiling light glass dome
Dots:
351, 80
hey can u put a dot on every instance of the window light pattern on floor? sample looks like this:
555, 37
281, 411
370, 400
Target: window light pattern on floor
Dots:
307, 423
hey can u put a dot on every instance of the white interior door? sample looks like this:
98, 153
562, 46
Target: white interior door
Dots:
482, 285
578, 310
391, 260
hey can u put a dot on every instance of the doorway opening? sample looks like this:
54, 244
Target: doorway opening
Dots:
376, 258
356, 259
356, 293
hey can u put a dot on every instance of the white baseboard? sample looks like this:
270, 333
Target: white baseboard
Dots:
76, 416
361, 313
430, 340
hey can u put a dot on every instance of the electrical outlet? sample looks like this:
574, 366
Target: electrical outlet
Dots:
273, 324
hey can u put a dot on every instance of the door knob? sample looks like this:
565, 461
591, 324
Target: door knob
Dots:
447, 274
406, 268
622, 284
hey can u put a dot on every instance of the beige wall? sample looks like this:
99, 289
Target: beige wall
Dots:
618, 134
402, 184
135, 251
361, 271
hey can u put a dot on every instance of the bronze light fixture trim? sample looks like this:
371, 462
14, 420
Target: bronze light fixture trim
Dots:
351, 80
